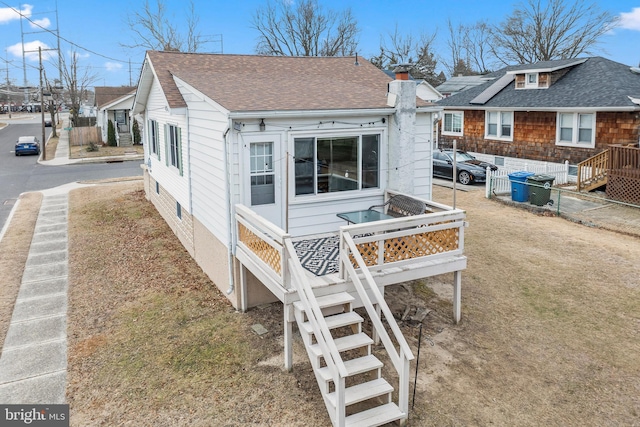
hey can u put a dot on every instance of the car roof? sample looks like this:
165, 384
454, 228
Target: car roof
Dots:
27, 138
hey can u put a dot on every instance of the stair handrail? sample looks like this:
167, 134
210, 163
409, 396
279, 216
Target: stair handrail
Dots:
596, 165
314, 313
399, 359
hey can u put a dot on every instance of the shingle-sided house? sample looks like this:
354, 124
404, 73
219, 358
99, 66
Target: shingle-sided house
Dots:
114, 103
555, 111
267, 169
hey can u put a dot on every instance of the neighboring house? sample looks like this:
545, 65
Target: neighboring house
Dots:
426, 92
251, 158
554, 111
114, 103
461, 83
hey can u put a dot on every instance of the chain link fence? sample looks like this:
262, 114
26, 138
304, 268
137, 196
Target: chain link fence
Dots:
592, 209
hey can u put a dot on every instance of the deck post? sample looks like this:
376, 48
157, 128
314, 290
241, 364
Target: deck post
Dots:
243, 289
288, 340
457, 288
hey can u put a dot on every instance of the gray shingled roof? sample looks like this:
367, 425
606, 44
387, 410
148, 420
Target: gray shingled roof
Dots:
597, 83
245, 83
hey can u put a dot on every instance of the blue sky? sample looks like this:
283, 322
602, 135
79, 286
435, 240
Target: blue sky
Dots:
98, 29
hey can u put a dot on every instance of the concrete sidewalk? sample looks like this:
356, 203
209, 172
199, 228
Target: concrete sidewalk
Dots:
33, 366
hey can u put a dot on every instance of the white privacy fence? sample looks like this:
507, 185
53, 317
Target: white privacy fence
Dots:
498, 181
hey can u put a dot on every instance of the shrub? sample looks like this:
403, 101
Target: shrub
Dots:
93, 146
136, 132
111, 134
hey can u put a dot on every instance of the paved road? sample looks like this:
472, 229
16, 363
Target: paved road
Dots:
23, 173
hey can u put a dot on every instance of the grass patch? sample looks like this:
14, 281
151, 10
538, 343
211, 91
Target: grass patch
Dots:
83, 151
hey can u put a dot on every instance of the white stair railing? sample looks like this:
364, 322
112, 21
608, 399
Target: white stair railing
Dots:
401, 357
321, 331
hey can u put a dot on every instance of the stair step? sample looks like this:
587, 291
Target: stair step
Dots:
336, 321
328, 300
354, 366
345, 343
375, 416
362, 392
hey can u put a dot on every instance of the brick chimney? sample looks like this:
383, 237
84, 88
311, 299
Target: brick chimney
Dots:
402, 132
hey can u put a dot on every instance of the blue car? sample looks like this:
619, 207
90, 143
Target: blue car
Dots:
27, 145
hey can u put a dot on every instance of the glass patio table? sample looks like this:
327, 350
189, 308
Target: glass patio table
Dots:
359, 217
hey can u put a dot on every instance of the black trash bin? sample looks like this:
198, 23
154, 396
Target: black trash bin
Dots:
540, 188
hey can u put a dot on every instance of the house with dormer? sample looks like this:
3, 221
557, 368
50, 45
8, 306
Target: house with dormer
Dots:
553, 111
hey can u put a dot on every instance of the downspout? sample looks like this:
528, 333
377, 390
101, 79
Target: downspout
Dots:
227, 158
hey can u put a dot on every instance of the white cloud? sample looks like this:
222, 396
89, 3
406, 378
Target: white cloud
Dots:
630, 20
40, 23
8, 14
112, 66
31, 51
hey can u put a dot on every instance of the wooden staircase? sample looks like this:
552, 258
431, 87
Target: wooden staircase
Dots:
364, 384
592, 172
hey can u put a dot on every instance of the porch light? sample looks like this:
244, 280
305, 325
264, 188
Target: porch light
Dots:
262, 125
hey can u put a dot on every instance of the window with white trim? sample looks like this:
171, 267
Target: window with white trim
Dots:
153, 138
499, 125
334, 164
453, 123
531, 80
174, 147
576, 129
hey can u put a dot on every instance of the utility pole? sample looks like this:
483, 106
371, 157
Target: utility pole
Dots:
44, 141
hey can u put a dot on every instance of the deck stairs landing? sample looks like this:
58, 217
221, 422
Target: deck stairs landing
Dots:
364, 384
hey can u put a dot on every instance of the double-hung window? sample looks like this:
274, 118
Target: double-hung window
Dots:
499, 125
334, 164
153, 138
453, 123
174, 147
576, 129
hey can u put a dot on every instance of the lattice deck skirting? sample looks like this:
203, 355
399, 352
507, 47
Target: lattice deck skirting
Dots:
623, 188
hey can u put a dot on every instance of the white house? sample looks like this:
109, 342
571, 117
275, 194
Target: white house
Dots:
114, 103
250, 160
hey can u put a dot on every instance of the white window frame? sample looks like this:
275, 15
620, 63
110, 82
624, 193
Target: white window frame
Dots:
444, 119
499, 125
339, 195
575, 130
154, 138
173, 147
527, 83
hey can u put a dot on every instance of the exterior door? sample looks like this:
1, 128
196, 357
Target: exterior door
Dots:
263, 173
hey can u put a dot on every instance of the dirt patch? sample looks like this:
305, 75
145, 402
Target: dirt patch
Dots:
549, 333
98, 150
14, 248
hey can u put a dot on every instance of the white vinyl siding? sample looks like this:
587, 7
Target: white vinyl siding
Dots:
576, 129
499, 125
453, 123
165, 175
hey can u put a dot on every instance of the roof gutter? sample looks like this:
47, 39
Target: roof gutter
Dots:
236, 115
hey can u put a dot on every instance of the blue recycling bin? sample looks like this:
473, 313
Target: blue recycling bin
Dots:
519, 187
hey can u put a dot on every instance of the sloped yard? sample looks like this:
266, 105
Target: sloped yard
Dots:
550, 330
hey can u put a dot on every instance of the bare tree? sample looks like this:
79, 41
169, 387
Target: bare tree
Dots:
399, 48
153, 30
304, 29
470, 48
77, 82
557, 30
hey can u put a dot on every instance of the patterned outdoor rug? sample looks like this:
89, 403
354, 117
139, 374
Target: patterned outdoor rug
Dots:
319, 256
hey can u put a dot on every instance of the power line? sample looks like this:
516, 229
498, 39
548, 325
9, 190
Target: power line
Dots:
62, 38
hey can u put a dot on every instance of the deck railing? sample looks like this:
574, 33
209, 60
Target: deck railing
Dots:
376, 306
400, 242
592, 172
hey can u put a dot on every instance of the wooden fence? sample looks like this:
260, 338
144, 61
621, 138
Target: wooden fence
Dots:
85, 135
